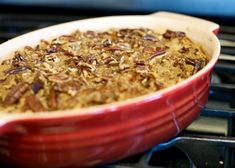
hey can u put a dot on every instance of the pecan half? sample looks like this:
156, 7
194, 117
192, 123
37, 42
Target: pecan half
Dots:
17, 70
16, 93
109, 59
69, 87
157, 53
2, 80
34, 103
52, 99
149, 37
59, 78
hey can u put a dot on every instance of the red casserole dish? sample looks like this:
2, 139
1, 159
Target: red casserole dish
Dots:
106, 133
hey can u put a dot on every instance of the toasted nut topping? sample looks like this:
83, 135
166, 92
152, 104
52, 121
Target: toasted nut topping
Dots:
89, 68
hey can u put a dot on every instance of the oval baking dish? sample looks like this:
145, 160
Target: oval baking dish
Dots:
106, 133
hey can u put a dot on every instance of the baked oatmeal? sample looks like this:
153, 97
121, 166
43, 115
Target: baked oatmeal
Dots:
92, 68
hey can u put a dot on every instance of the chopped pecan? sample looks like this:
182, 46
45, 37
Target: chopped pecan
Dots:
123, 32
149, 49
124, 46
28, 48
70, 38
199, 63
107, 42
52, 57
91, 59
159, 84
2, 80
17, 59
141, 69
184, 50
54, 48
109, 59
124, 66
90, 34
72, 62
59, 78
44, 42
196, 51
70, 86
18, 70
149, 37
36, 86
190, 61
139, 62
114, 49
52, 99
107, 77
173, 34
34, 103
86, 66
68, 53
16, 93
160, 52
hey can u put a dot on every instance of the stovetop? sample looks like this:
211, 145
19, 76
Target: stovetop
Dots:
208, 142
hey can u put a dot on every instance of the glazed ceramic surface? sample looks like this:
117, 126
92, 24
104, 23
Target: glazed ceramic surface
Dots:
105, 133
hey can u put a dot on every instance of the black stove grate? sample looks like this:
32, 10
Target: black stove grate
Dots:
196, 146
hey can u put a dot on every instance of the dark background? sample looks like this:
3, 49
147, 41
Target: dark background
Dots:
195, 7
21, 16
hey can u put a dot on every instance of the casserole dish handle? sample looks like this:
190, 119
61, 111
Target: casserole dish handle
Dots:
207, 25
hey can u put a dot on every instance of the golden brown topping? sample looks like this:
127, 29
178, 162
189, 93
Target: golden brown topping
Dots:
82, 69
